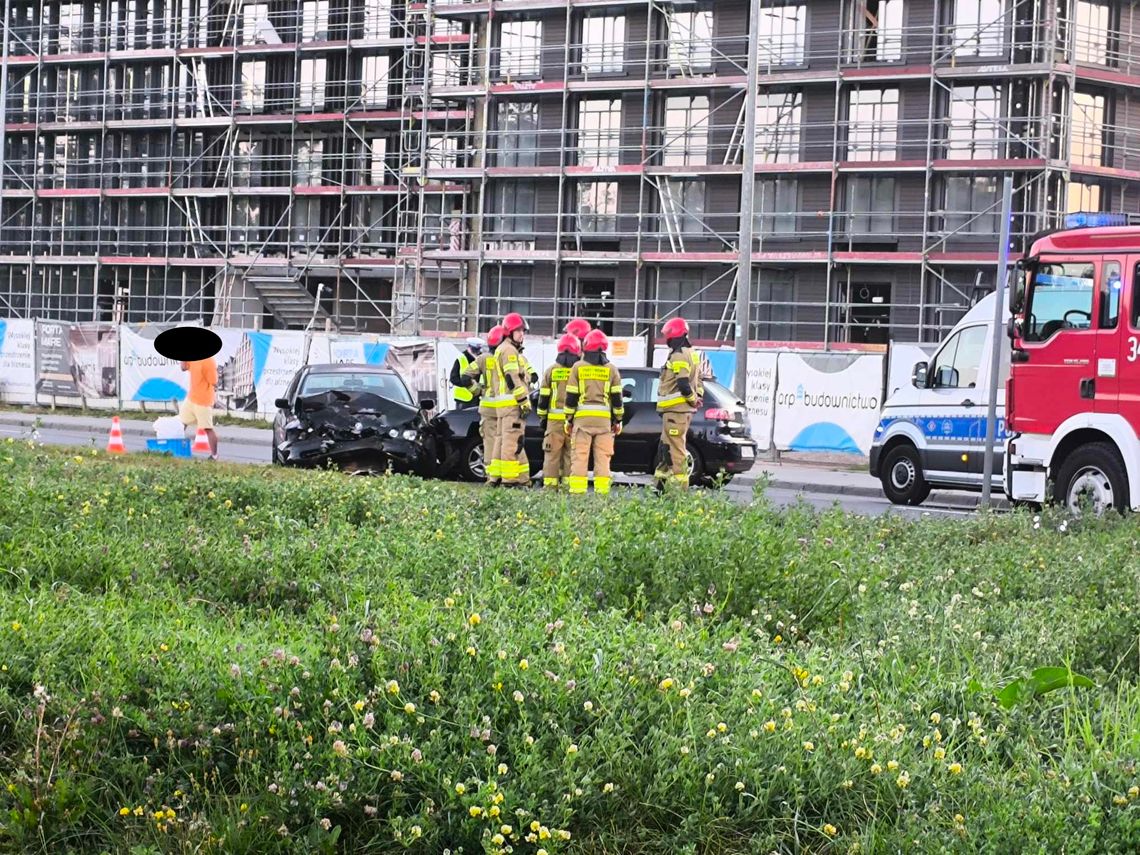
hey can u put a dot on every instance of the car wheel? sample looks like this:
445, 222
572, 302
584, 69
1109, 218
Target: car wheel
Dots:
471, 463
902, 478
1094, 474
696, 466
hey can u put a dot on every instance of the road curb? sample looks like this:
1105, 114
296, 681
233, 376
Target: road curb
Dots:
128, 426
834, 489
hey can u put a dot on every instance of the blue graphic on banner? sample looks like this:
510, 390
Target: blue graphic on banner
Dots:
261, 343
159, 389
824, 436
375, 354
723, 364
3, 332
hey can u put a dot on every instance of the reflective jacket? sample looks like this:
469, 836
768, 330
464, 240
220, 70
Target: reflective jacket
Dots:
593, 391
459, 392
552, 393
680, 385
485, 371
514, 372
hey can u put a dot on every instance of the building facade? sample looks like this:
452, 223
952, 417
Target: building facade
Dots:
435, 165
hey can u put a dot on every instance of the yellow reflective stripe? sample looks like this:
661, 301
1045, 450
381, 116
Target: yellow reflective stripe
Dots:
557, 417
544, 390
678, 366
573, 389
615, 389
670, 402
498, 405
601, 413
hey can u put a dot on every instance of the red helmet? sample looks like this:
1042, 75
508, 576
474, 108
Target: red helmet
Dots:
595, 340
675, 328
514, 321
495, 336
579, 327
570, 344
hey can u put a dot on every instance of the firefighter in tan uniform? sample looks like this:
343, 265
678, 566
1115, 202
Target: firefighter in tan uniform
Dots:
552, 413
483, 378
594, 410
515, 374
678, 397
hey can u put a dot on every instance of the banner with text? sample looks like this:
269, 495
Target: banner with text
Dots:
17, 361
147, 377
77, 360
827, 402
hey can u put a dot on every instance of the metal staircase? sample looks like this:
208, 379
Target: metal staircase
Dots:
289, 301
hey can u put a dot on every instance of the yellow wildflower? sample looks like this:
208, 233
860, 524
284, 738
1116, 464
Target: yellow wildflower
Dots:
955, 768
460, 789
475, 620
124, 811
666, 684
830, 830
409, 708
523, 664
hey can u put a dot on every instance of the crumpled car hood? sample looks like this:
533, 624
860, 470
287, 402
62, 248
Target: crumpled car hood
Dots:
352, 415
352, 430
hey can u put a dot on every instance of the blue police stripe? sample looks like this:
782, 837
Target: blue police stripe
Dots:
947, 429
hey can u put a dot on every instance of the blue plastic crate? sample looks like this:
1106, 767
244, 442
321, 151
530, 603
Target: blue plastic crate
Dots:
175, 447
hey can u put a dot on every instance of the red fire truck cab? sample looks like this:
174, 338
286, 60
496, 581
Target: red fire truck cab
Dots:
1073, 394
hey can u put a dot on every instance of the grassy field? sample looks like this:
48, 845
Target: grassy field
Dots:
200, 658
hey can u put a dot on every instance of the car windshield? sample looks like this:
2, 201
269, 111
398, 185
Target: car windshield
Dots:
385, 385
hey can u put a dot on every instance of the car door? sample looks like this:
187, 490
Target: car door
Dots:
954, 412
641, 426
1057, 358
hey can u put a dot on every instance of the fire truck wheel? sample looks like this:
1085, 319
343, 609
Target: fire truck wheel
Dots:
1095, 474
903, 482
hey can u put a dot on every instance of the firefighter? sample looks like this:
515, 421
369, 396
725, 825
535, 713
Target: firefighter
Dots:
482, 377
514, 374
594, 410
678, 397
577, 327
464, 396
551, 413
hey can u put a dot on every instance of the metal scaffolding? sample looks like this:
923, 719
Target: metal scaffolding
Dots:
432, 165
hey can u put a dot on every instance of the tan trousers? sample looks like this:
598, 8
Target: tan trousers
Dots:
489, 424
674, 431
596, 435
514, 468
555, 455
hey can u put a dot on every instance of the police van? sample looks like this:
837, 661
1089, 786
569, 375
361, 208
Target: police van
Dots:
932, 434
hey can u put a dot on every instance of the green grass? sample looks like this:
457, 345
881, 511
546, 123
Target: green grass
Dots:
235, 648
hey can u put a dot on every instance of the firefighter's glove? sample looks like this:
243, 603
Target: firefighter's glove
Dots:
524, 407
567, 426
542, 424
617, 428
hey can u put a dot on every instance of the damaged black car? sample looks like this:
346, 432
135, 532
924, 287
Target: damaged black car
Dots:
361, 419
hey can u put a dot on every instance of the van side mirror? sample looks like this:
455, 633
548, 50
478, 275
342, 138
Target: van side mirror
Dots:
427, 404
918, 375
281, 403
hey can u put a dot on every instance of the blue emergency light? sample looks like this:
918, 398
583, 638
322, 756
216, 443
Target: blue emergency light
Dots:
1096, 220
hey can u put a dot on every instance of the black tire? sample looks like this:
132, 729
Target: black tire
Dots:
1094, 471
902, 478
471, 466
697, 475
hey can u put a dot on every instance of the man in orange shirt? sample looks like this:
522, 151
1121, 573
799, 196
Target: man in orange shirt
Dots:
198, 407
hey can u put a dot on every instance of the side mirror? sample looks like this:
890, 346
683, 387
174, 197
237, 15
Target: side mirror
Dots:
918, 375
427, 403
281, 403
1011, 329
627, 393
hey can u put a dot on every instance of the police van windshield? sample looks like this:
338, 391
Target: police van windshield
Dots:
1060, 298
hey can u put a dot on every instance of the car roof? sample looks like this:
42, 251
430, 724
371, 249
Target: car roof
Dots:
347, 368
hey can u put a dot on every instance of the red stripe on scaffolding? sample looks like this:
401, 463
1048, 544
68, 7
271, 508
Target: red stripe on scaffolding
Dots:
873, 71
1000, 163
805, 166
881, 165
615, 169
1105, 75
1106, 171
445, 39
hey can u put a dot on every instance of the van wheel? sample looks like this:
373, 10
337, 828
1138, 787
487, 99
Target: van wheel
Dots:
1092, 474
902, 479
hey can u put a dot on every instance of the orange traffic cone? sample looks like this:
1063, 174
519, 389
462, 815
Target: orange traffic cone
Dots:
115, 441
201, 443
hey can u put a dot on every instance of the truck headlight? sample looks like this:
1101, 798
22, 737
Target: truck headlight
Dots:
394, 433
410, 435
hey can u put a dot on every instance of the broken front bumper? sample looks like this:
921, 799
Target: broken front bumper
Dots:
367, 455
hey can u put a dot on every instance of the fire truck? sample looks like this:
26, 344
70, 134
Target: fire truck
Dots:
1073, 393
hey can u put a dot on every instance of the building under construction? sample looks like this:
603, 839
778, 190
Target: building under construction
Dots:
410, 168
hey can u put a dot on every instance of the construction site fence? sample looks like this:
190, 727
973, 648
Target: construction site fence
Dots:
799, 397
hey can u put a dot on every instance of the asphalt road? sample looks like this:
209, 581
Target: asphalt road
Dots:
740, 489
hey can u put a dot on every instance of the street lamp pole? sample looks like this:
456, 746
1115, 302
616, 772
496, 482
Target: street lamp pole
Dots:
747, 187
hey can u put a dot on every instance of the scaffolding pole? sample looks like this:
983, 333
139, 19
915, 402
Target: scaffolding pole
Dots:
747, 187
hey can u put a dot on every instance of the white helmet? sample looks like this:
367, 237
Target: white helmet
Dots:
476, 344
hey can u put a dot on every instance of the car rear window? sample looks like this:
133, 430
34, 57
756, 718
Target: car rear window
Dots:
719, 395
385, 385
